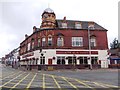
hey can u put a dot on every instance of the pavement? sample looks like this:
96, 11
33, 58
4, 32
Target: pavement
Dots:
102, 79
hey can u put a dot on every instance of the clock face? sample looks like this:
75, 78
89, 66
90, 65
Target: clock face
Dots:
45, 15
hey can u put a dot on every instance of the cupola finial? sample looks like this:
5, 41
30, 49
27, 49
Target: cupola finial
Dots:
48, 5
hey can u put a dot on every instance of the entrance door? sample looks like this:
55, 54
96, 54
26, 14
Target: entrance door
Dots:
49, 61
104, 64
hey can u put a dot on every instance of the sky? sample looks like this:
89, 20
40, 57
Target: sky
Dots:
17, 17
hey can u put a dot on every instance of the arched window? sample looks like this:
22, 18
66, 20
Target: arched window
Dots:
33, 44
60, 41
49, 40
60, 60
38, 42
28, 47
93, 41
43, 41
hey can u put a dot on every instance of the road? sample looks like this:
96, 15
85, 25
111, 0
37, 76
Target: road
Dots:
15, 79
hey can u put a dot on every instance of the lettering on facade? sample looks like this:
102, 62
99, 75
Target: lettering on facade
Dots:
28, 55
76, 52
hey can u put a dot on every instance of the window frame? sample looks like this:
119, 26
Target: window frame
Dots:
78, 25
43, 41
28, 46
61, 60
94, 60
91, 26
77, 41
64, 25
50, 40
42, 60
60, 41
33, 44
93, 41
39, 42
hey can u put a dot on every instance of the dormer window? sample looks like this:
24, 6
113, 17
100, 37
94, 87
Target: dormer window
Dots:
78, 25
91, 26
64, 25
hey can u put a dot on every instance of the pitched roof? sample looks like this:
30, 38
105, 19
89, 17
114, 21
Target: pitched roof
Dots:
71, 24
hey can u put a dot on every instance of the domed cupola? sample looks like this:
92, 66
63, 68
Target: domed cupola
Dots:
48, 10
48, 19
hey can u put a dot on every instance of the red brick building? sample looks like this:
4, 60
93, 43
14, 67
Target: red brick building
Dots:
114, 54
63, 43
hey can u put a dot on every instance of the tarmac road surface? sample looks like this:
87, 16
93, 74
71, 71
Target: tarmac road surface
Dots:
101, 79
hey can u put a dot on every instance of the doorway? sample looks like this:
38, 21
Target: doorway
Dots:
49, 61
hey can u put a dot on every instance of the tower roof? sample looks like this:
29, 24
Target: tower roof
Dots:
49, 10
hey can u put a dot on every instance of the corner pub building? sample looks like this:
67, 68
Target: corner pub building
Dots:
64, 44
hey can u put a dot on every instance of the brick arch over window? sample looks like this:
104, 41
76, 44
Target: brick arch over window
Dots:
59, 34
92, 35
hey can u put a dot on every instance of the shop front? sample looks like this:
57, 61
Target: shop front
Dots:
61, 59
114, 62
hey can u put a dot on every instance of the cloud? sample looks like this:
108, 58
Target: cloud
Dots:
17, 18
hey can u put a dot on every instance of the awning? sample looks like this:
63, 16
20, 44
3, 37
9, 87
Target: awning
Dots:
114, 58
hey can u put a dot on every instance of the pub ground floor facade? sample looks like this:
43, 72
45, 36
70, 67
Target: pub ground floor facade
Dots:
53, 59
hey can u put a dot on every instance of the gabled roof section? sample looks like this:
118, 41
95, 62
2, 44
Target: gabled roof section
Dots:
84, 24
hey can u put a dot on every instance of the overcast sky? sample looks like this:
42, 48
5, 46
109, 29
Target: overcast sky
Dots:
18, 17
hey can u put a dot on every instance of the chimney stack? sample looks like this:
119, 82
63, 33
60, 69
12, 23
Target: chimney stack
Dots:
34, 29
26, 36
64, 19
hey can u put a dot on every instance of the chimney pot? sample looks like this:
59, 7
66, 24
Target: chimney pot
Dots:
26, 35
64, 18
34, 28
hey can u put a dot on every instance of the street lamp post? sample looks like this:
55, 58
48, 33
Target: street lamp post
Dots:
74, 58
89, 48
